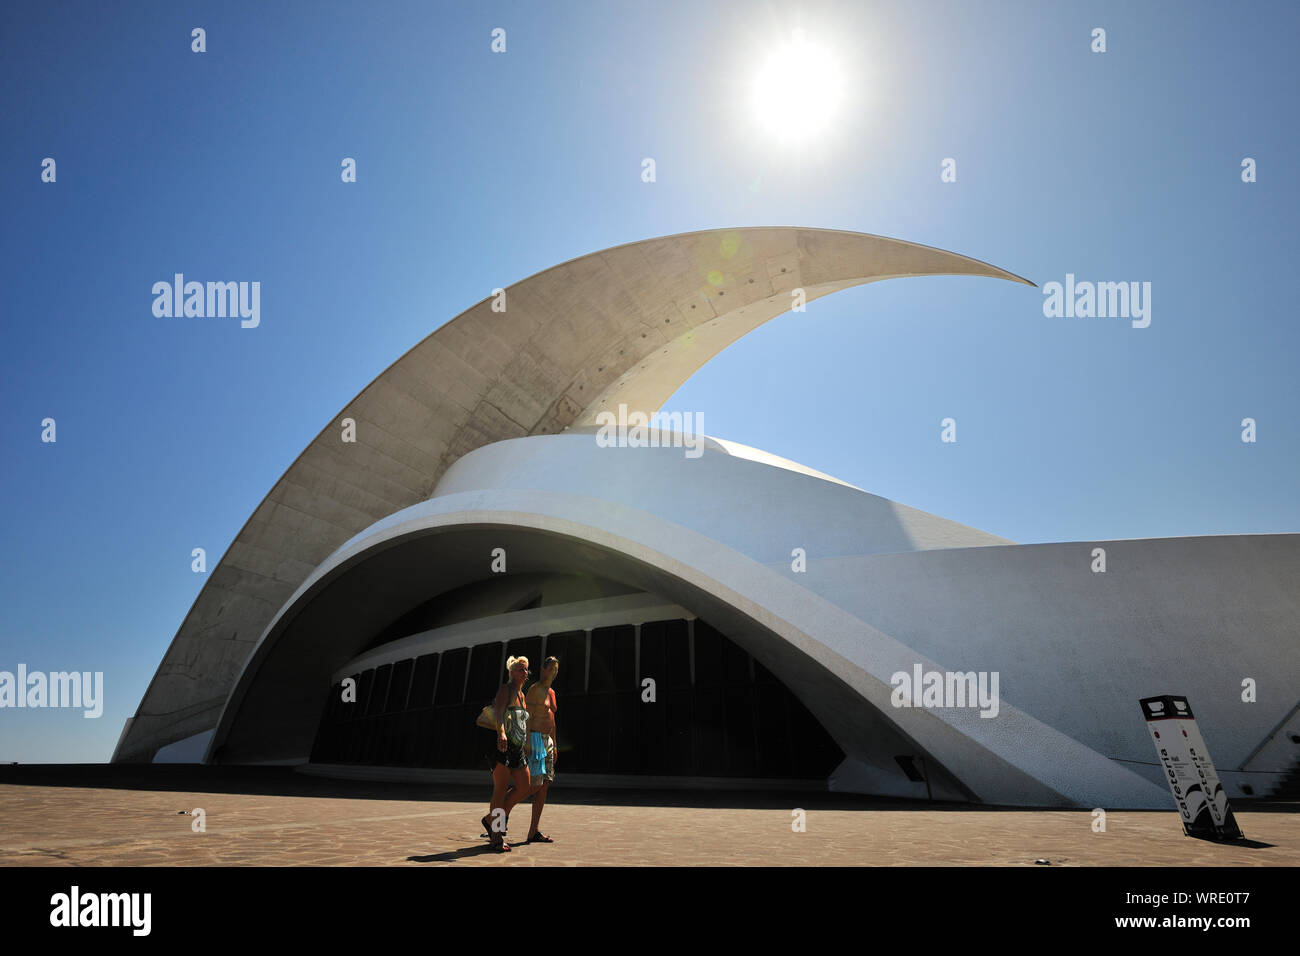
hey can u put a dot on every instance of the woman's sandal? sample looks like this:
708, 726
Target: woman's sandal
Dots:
539, 837
496, 840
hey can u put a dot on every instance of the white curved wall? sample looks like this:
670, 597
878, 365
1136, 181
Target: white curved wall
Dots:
1013, 759
760, 509
888, 586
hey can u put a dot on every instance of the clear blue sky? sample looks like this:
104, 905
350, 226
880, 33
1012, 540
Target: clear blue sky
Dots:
477, 169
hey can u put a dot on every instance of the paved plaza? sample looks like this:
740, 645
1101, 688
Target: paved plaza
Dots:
115, 815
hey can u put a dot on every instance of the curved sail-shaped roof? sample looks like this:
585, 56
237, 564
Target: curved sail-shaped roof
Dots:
626, 325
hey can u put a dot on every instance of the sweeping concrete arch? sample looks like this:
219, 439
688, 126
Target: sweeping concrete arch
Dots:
629, 324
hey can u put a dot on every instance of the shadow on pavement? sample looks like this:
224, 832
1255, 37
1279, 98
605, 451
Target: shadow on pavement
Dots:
286, 782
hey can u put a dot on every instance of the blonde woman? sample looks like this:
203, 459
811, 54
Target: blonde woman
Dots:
509, 761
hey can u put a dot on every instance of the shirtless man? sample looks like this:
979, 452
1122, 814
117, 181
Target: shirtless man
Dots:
541, 743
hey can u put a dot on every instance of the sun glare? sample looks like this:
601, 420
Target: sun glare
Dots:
797, 92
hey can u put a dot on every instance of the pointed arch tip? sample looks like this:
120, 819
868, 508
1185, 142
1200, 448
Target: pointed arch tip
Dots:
992, 271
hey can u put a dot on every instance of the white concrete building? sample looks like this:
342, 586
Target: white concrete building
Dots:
768, 610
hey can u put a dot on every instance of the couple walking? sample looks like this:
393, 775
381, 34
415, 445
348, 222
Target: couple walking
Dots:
524, 759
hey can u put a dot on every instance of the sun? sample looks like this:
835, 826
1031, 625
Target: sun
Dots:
797, 92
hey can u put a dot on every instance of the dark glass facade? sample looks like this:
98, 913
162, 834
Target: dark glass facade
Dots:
717, 712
